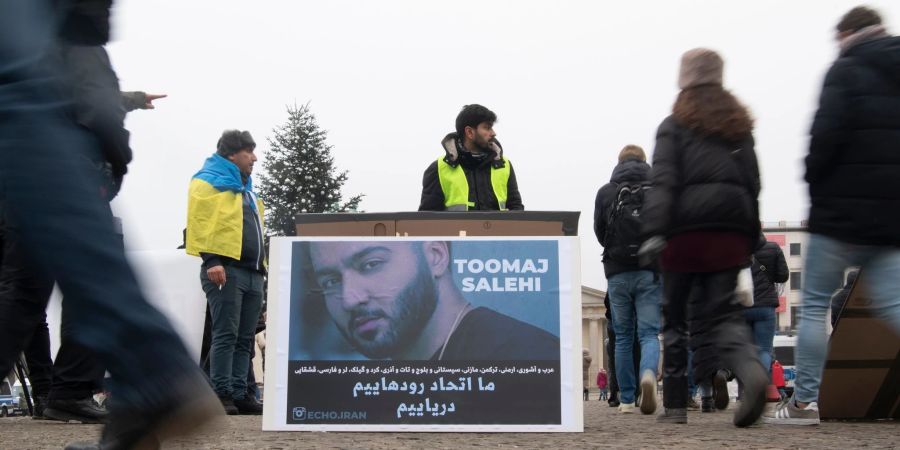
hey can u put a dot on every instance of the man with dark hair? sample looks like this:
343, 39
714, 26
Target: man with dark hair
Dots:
398, 300
634, 290
854, 185
225, 228
473, 174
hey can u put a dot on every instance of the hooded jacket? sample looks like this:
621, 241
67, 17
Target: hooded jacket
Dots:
225, 217
630, 171
853, 166
478, 176
701, 182
769, 268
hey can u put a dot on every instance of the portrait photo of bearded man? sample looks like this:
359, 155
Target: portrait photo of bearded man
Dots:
399, 300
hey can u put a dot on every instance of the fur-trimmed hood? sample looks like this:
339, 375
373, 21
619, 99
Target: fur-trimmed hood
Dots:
882, 53
453, 146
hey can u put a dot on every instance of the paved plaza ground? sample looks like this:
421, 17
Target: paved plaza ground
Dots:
604, 428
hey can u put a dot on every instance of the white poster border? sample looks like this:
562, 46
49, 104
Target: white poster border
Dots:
278, 326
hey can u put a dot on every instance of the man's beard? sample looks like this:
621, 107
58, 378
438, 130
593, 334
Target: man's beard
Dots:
412, 308
485, 146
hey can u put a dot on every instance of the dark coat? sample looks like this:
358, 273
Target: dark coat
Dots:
701, 183
97, 102
626, 172
853, 166
769, 268
478, 175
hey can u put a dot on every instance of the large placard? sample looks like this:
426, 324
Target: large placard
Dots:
424, 334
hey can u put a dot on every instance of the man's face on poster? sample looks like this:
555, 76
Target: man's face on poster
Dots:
379, 294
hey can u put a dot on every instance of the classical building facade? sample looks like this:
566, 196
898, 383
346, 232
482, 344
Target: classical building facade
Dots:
593, 329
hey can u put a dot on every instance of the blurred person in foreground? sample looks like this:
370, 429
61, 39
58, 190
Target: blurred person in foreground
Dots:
67, 232
853, 171
701, 218
63, 387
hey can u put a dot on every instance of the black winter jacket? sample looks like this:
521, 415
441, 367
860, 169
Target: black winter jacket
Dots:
853, 166
629, 171
97, 102
478, 175
769, 268
701, 182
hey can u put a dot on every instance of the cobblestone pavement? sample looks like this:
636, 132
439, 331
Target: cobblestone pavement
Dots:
604, 428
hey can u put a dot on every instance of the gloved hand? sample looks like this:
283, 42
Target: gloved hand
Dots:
650, 250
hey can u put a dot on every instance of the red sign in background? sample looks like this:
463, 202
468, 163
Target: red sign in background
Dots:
777, 238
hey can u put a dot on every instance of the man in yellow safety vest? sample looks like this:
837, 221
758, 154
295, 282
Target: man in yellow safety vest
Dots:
473, 174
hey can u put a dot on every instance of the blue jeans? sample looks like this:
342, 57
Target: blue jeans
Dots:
67, 228
762, 325
692, 386
635, 299
826, 260
234, 310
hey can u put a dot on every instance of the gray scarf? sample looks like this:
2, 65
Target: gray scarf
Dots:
862, 35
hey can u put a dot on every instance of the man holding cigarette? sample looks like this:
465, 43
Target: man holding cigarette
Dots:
225, 228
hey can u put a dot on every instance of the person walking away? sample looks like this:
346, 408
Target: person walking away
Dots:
634, 289
768, 268
701, 218
853, 173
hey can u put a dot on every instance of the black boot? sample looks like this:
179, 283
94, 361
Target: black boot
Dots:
755, 379
228, 405
720, 388
190, 404
40, 403
673, 415
613, 401
84, 410
248, 406
706, 405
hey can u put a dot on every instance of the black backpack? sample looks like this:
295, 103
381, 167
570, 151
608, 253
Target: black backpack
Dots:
623, 224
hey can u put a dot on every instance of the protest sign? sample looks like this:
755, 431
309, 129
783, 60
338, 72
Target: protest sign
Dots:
424, 334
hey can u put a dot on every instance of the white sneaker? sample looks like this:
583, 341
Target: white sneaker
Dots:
626, 408
787, 413
648, 392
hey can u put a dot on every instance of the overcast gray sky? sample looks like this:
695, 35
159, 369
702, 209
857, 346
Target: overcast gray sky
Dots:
572, 82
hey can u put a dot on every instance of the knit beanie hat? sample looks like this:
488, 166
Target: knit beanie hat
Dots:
700, 66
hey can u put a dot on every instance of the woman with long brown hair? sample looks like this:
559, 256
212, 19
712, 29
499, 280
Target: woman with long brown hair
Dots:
701, 219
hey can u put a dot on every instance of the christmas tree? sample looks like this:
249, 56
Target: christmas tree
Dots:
300, 176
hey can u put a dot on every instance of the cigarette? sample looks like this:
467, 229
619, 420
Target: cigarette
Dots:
220, 287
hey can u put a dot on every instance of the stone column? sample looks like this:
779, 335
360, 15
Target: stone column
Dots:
596, 349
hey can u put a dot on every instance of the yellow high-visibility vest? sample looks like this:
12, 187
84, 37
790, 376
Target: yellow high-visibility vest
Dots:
456, 187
